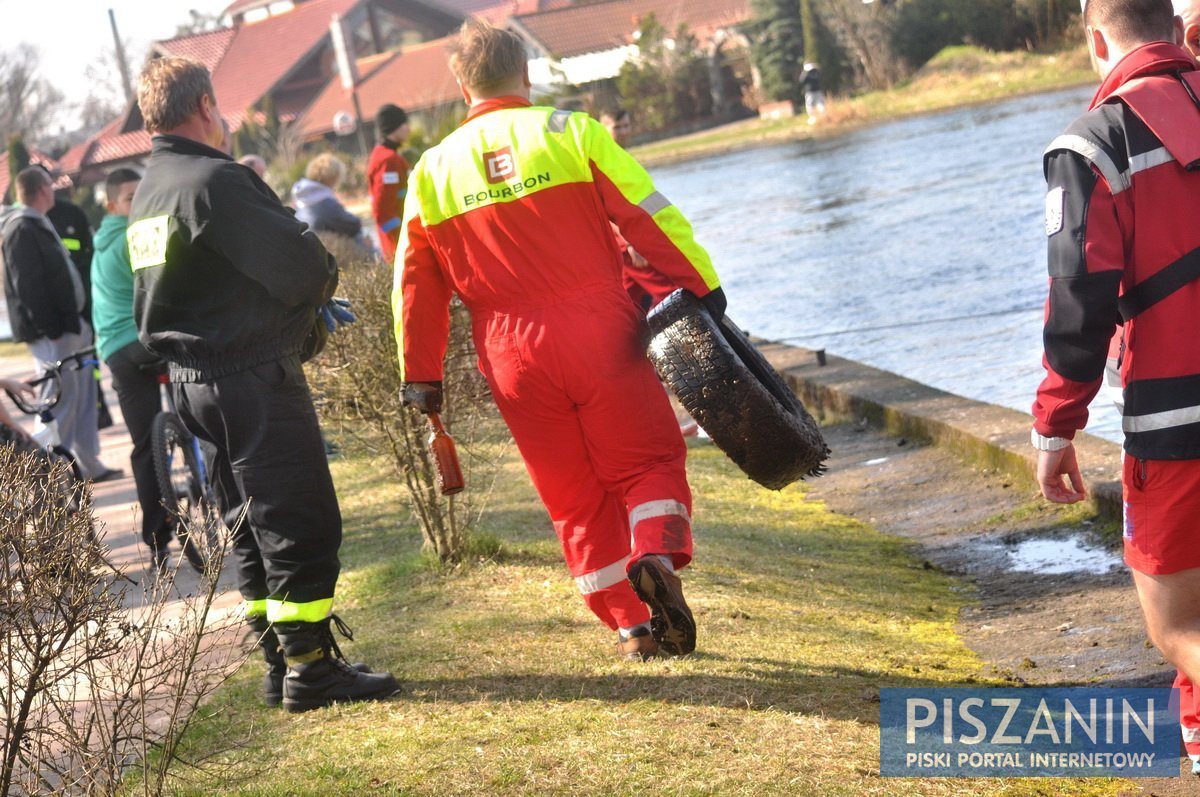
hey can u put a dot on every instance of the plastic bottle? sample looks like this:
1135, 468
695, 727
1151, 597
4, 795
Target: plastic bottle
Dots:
445, 457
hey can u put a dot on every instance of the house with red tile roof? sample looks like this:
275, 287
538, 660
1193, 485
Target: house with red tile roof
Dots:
276, 55
586, 43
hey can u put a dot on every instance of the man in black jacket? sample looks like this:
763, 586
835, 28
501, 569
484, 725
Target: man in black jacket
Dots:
45, 297
227, 289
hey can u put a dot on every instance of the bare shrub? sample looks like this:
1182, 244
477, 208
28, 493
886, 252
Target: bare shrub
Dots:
356, 382
96, 673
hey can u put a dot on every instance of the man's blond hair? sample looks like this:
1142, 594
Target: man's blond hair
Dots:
486, 58
169, 91
327, 169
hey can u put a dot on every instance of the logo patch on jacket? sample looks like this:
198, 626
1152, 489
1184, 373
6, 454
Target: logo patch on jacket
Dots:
1055, 200
499, 165
148, 242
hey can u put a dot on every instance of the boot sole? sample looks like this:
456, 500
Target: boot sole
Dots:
297, 706
671, 621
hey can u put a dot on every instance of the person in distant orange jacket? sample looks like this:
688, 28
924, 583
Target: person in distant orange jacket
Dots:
387, 176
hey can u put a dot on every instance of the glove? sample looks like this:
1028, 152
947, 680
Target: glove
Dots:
336, 313
425, 396
714, 302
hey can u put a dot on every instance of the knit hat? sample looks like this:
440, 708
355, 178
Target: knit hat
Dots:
389, 118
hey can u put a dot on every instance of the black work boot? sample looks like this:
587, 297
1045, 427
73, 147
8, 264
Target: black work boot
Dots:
318, 675
671, 620
276, 663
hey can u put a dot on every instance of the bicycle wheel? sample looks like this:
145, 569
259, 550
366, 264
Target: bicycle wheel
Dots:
184, 492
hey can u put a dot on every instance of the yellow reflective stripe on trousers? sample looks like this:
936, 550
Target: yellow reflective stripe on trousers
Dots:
148, 242
257, 608
288, 612
603, 578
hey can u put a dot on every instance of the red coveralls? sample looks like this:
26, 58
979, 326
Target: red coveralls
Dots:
1121, 217
387, 180
512, 212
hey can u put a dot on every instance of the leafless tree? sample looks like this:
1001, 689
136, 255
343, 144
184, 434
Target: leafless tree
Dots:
864, 32
94, 677
28, 102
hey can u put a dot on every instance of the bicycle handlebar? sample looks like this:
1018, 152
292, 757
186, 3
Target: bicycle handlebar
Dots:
53, 394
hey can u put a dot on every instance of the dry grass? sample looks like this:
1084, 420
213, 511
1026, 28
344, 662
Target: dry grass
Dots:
511, 688
956, 77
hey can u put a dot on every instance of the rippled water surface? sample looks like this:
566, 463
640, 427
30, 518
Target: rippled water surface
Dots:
902, 226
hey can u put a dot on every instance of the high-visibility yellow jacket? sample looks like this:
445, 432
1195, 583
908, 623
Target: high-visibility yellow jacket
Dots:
512, 211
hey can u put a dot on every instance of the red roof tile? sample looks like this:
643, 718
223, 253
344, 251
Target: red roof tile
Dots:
60, 182
595, 27
207, 48
416, 79
261, 54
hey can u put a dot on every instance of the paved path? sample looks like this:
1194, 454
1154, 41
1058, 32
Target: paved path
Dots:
115, 502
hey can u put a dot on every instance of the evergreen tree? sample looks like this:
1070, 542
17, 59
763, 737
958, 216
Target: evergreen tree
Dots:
18, 159
777, 45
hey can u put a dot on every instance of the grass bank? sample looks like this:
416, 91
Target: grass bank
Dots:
955, 77
511, 687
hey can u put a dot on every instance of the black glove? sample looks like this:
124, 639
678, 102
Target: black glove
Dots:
425, 396
714, 302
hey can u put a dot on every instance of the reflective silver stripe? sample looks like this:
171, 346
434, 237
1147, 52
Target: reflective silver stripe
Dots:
603, 578
1190, 734
654, 203
668, 506
1156, 421
1117, 181
558, 121
1148, 160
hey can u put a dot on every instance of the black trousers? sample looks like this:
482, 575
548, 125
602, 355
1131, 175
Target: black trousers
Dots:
134, 379
269, 457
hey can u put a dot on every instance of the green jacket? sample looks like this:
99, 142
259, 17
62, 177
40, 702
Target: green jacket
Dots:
112, 288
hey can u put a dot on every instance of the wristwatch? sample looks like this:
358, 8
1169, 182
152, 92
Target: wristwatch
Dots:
1043, 443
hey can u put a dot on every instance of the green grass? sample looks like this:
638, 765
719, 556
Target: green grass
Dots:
511, 687
955, 77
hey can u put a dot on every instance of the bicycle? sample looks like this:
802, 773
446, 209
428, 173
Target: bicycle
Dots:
181, 467
61, 463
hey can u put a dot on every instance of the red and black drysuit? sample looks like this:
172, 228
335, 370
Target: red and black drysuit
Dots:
1124, 251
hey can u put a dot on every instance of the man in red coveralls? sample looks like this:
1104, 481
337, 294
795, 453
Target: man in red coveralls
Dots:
387, 176
512, 212
1124, 251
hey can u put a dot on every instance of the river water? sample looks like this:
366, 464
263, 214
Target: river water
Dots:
916, 246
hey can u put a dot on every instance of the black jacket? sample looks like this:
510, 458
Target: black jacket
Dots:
73, 227
225, 277
43, 292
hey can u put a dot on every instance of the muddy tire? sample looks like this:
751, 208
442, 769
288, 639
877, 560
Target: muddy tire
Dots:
734, 394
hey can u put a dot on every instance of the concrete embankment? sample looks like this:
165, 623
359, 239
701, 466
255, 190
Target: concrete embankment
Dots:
990, 436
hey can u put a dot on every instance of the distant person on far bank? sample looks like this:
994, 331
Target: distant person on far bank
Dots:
387, 176
814, 96
1123, 183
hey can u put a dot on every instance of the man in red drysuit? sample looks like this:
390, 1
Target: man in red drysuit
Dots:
387, 177
512, 212
1124, 251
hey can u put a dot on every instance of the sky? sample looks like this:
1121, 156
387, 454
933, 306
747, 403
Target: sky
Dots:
72, 35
